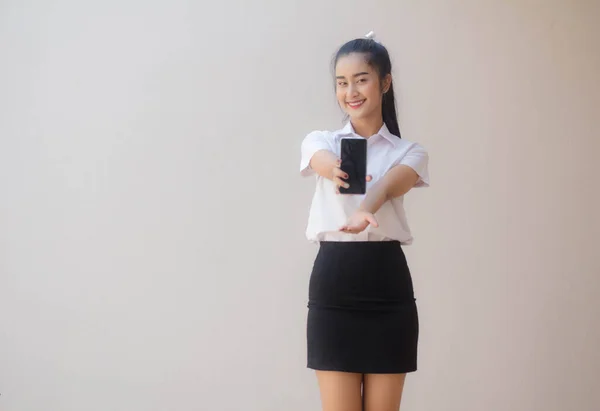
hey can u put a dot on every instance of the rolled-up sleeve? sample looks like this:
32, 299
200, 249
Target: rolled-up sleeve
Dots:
417, 158
313, 142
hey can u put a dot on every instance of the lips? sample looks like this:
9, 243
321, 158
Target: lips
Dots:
355, 104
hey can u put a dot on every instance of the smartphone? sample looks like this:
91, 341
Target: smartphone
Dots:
354, 163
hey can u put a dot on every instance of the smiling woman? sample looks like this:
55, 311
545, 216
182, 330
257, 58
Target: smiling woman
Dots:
363, 327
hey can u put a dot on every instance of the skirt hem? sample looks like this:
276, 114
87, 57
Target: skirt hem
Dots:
361, 371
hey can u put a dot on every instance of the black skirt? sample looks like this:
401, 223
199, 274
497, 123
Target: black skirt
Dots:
362, 313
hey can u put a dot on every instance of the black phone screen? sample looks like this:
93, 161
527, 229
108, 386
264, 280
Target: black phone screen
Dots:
354, 163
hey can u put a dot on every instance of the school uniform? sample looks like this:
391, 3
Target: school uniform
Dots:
362, 312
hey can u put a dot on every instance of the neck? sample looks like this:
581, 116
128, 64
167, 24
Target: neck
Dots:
367, 127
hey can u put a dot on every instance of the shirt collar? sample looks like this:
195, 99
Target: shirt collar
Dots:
384, 132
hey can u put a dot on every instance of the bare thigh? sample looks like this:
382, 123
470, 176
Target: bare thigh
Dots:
340, 391
383, 392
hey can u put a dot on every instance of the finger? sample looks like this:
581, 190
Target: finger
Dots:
369, 178
338, 182
372, 221
348, 228
339, 173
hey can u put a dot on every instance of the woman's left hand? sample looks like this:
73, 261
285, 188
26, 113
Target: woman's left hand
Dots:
358, 222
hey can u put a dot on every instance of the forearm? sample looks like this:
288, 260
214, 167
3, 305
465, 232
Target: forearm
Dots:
323, 162
375, 198
395, 183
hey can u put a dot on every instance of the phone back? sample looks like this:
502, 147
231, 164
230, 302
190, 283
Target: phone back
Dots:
354, 163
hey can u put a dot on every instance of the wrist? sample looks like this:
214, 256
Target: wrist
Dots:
364, 209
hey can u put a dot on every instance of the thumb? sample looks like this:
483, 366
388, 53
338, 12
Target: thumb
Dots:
371, 219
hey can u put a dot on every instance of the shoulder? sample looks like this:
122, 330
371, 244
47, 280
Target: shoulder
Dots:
316, 134
404, 148
320, 137
404, 145
323, 134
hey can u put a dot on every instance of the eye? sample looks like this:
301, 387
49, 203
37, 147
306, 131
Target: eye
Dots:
362, 80
341, 83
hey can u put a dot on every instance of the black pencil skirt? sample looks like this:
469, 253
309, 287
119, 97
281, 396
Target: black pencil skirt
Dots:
362, 313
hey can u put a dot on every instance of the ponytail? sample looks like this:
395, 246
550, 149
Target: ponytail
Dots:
388, 109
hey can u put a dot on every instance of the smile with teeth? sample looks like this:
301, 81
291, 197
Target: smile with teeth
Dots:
355, 104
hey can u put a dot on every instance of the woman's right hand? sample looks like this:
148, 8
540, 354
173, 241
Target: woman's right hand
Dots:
339, 177
327, 165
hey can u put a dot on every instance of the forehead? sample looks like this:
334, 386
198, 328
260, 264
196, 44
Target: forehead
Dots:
352, 63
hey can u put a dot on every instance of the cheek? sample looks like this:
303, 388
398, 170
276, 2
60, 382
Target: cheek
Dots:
372, 92
341, 97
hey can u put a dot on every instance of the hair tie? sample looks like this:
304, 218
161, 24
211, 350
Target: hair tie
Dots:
371, 36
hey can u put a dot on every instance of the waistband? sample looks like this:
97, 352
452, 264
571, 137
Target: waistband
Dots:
392, 244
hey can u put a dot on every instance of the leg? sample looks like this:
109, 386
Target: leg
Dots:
383, 392
340, 391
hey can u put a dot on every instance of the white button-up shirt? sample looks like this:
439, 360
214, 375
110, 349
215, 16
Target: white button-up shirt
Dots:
329, 211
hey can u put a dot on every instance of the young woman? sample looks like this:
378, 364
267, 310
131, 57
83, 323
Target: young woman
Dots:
362, 328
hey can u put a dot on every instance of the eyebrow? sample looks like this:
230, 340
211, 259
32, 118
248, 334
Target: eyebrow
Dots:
355, 75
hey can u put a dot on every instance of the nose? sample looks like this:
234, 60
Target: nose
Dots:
352, 90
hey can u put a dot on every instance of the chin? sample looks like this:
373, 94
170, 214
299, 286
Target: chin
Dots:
358, 115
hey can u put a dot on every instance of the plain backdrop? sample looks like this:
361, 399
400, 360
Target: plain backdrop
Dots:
152, 216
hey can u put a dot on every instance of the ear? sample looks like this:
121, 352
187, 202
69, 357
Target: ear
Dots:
386, 83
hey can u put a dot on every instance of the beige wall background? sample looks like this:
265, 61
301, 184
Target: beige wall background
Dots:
152, 254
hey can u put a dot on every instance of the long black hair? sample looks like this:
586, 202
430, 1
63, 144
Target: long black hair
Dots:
377, 57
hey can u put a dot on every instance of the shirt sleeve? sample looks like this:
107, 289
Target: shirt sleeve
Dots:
417, 158
313, 142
